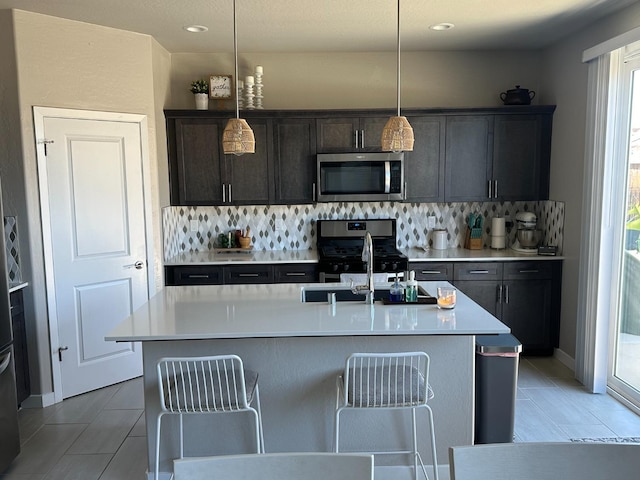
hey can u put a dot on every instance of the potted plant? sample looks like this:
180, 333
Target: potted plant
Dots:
200, 89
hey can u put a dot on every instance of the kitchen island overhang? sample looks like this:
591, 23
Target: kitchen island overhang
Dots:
298, 349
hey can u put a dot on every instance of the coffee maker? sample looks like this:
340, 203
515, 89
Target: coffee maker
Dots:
527, 235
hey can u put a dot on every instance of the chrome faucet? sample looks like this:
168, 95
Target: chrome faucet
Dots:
367, 256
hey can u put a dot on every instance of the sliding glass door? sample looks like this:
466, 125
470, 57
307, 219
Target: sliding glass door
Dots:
624, 363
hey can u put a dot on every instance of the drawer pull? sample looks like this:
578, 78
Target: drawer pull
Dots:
431, 272
478, 272
295, 274
248, 274
199, 275
529, 271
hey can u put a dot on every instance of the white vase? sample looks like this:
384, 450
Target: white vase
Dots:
202, 101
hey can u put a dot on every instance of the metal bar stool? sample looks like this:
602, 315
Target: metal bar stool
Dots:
206, 385
388, 381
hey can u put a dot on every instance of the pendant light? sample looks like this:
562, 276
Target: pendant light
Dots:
237, 138
397, 135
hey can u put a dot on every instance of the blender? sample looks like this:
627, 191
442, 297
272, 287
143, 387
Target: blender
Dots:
527, 236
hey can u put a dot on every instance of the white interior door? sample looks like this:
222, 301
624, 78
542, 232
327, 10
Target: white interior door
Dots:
99, 256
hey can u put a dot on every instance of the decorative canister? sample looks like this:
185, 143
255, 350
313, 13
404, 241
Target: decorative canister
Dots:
439, 238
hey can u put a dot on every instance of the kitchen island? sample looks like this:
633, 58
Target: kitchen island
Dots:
298, 349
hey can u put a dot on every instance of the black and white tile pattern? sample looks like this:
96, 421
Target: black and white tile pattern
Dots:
12, 249
292, 227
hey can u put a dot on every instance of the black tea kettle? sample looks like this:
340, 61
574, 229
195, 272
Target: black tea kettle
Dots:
517, 96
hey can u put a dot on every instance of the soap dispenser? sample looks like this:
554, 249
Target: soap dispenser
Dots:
396, 291
411, 289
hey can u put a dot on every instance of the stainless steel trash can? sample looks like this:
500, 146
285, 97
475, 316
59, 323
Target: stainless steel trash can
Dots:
497, 358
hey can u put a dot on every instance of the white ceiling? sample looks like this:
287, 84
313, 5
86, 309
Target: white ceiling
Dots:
335, 25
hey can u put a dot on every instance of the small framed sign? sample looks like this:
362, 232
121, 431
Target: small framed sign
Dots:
221, 86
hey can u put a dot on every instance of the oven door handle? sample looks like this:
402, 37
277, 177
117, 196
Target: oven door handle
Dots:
387, 177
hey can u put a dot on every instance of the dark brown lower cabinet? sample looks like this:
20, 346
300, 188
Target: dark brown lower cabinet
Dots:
240, 274
524, 295
23, 383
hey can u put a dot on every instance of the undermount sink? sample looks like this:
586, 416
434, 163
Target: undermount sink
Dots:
344, 293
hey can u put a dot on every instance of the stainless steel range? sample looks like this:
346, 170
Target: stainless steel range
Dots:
340, 245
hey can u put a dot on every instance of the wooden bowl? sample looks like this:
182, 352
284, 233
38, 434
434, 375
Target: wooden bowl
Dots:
245, 242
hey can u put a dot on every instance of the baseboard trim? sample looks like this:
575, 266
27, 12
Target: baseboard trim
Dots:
565, 359
39, 401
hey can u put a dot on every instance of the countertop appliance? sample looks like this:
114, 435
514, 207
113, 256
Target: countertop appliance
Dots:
340, 245
527, 236
354, 177
9, 435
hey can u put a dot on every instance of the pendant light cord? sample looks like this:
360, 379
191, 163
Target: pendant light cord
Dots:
397, 59
235, 58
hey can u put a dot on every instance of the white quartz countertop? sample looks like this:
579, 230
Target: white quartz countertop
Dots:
414, 254
15, 286
220, 257
276, 310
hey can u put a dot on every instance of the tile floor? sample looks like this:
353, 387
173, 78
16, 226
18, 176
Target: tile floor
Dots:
101, 435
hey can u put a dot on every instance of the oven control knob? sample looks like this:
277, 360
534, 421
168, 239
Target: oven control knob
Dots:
345, 267
383, 266
394, 266
334, 268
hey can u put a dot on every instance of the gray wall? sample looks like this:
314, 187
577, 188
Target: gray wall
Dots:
565, 84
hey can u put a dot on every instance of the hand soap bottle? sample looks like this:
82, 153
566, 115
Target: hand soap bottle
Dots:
411, 289
395, 292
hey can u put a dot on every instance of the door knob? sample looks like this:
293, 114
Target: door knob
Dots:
139, 265
60, 350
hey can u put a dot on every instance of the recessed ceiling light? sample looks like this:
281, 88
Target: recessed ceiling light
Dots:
439, 27
195, 28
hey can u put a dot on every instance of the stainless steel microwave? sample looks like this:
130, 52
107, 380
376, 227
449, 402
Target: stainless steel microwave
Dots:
345, 177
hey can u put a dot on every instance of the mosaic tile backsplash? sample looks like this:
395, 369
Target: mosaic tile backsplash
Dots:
293, 227
12, 249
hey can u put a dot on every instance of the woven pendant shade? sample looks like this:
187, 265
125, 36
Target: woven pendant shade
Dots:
397, 135
238, 138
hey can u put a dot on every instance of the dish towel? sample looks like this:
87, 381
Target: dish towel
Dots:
361, 278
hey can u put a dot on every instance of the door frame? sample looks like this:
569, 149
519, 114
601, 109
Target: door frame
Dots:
39, 115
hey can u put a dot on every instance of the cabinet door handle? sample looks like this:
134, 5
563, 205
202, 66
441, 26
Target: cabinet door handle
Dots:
528, 271
495, 189
499, 293
356, 138
295, 274
404, 196
478, 272
313, 192
197, 275
361, 138
506, 294
431, 272
248, 274
224, 193
230, 193
489, 182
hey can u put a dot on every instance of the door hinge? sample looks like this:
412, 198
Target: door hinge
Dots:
45, 143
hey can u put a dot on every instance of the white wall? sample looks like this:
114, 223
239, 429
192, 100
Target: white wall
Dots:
565, 84
68, 64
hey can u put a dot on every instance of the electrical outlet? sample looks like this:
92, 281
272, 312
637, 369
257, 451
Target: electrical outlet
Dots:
280, 225
193, 224
431, 219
